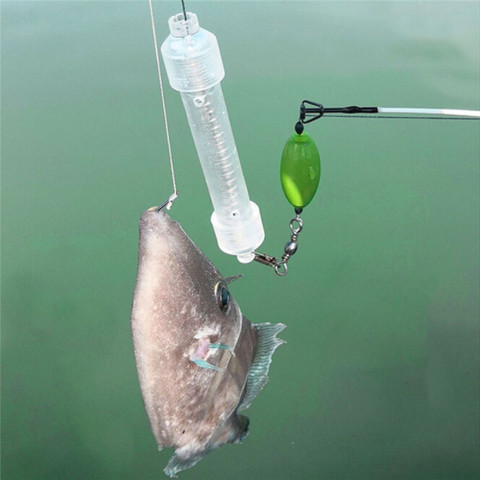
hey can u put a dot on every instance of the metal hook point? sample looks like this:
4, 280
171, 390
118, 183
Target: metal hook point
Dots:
168, 203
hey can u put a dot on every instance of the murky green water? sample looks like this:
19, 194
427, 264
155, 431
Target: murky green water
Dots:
380, 375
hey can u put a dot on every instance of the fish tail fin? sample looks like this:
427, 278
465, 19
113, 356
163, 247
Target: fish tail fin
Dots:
258, 374
177, 463
235, 430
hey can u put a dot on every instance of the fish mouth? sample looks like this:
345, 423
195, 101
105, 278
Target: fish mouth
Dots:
154, 218
167, 234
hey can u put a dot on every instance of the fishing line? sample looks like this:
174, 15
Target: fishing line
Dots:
184, 11
174, 195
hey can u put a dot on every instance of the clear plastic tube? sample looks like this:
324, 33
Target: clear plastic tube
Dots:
194, 67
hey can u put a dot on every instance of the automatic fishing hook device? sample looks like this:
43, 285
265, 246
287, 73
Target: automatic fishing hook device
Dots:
194, 67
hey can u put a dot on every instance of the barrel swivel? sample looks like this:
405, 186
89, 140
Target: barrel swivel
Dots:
280, 266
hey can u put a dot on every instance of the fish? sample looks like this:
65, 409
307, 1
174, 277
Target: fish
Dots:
199, 360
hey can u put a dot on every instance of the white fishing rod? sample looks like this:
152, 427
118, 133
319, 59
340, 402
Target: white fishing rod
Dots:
311, 111
444, 112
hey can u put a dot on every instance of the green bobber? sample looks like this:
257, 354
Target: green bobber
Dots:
300, 170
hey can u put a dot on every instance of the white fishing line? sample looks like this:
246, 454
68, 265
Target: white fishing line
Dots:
172, 170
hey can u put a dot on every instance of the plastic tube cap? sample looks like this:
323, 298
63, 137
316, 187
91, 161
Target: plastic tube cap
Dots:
239, 236
181, 28
191, 55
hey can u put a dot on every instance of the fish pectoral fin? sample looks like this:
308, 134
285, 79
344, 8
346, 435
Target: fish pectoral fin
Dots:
258, 374
241, 431
243, 422
234, 430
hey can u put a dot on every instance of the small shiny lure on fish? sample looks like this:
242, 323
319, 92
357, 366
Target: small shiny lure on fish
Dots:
199, 360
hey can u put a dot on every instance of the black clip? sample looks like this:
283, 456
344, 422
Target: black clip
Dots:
314, 111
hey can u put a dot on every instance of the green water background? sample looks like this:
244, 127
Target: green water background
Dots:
380, 375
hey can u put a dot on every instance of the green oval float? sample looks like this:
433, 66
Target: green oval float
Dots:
300, 170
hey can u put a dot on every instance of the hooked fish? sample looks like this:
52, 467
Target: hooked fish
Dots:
199, 360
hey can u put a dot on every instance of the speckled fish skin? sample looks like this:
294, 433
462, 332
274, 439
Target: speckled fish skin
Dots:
176, 320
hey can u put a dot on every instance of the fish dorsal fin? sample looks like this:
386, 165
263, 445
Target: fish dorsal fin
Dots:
258, 374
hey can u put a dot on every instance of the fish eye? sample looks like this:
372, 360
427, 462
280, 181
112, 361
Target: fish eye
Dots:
223, 296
